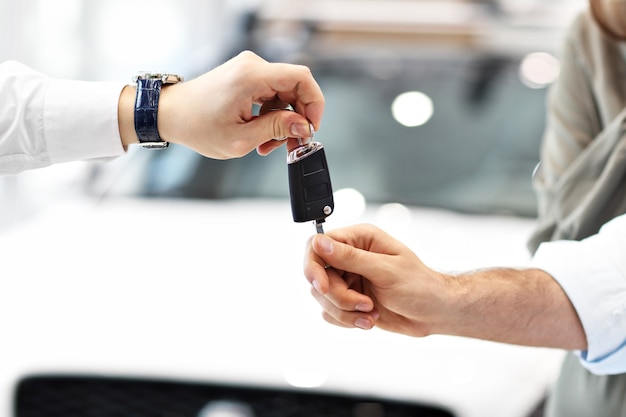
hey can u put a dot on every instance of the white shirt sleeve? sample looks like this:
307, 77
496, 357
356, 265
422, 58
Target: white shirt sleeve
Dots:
46, 121
592, 272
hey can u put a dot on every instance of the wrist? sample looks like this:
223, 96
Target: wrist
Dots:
125, 116
434, 304
149, 88
168, 118
454, 299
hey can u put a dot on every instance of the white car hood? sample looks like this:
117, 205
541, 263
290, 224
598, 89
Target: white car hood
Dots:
214, 291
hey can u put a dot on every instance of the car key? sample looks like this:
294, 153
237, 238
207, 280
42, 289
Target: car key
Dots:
310, 188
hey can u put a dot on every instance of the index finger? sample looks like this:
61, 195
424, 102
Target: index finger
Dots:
295, 84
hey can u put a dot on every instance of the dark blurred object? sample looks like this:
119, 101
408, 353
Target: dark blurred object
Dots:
83, 396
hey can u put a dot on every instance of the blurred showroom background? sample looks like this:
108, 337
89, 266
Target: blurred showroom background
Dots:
113, 39
447, 177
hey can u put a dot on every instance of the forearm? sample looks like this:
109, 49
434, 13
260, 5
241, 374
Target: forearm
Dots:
524, 307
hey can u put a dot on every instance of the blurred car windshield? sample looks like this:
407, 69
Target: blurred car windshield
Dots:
453, 130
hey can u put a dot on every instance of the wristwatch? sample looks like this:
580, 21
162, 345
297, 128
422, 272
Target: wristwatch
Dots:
147, 105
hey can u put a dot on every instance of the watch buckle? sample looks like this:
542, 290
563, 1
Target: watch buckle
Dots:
154, 145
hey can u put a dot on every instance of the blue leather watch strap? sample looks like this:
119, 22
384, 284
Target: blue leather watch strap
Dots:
146, 109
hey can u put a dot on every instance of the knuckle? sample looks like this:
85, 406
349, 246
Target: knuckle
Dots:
277, 127
306, 71
247, 54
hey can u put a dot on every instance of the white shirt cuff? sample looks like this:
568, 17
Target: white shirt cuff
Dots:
592, 273
80, 120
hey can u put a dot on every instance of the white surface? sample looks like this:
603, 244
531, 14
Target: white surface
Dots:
215, 291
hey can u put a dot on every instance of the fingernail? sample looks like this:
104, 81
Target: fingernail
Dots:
300, 130
363, 324
363, 307
317, 286
325, 244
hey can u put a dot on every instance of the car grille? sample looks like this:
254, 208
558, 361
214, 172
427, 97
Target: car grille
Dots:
89, 396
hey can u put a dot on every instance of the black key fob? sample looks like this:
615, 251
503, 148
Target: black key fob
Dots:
309, 184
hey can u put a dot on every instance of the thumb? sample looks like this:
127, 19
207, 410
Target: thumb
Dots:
274, 126
280, 124
345, 257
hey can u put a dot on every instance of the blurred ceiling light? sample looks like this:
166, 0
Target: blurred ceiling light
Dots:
349, 203
412, 108
539, 69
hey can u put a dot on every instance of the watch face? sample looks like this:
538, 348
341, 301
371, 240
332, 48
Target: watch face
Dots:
163, 76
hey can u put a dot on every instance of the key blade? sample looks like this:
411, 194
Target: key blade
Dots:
319, 226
